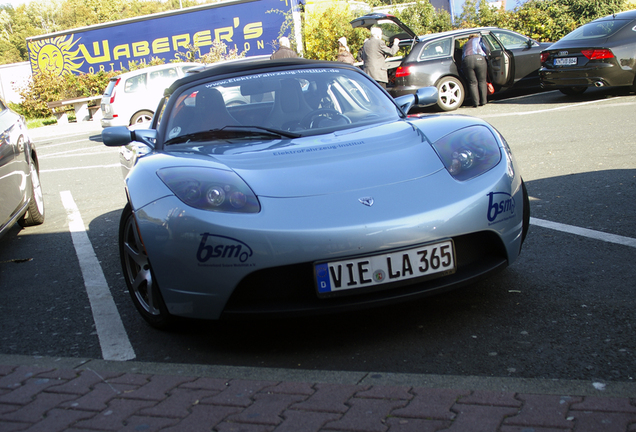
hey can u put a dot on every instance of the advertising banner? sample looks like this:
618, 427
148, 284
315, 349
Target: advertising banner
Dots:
248, 26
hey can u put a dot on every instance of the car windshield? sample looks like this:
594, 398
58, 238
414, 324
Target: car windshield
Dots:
280, 104
599, 29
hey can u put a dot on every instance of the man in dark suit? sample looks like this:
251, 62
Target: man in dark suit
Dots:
374, 52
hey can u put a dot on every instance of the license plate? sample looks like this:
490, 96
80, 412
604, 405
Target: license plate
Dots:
362, 272
565, 61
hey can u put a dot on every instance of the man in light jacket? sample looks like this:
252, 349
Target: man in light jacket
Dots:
374, 52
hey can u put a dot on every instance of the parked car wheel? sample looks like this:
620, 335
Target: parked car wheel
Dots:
450, 93
141, 117
35, 211
573, 91
139, 275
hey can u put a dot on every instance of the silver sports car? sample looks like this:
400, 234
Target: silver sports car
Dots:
317, 193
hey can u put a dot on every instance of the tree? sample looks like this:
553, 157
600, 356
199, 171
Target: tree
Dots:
550, 20
218, 52
323, 27
422, 18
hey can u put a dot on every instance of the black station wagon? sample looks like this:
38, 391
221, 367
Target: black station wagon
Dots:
435, 59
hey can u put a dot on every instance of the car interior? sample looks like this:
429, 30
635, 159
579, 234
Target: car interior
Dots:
281, 102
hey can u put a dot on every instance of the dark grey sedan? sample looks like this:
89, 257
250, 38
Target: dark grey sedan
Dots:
20, 191
599, 53
435, 59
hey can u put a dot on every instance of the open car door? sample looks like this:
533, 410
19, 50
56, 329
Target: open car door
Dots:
500, 63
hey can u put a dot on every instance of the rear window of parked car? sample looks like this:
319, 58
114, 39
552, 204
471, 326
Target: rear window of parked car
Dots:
593, 30
158, 78
436, 49
135, 84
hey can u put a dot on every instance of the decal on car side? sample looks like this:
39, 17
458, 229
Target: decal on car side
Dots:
222, 250
501, 207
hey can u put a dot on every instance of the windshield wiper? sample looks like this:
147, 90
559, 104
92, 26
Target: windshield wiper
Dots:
256, 130
234, 131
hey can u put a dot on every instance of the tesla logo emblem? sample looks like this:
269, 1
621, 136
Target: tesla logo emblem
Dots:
367, 201
563, 53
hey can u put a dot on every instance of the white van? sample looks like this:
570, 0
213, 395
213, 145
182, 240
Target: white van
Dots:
132, 97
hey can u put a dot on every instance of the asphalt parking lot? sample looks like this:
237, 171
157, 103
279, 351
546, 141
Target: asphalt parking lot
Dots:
564, 310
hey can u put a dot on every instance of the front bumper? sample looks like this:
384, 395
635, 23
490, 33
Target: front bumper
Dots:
228, 265
290, 290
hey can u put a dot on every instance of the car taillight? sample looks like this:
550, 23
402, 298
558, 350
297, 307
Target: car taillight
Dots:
402, 71
544, 57
597, 54
112, 96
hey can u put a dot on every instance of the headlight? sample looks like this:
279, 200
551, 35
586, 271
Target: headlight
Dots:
468, 152
210, 189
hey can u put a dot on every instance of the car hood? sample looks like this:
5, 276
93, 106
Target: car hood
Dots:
327, 164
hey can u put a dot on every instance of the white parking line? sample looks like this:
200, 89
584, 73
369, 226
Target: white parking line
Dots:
110, 329
80, 168
598, 235
522, 113
47, 146
73, 153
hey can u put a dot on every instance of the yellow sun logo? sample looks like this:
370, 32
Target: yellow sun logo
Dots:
55, 56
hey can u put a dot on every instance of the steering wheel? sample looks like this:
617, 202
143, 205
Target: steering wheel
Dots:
309, 120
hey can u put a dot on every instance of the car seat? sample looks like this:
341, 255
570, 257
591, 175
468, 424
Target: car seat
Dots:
290, 106
209, 113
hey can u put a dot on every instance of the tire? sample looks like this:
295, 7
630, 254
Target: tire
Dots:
526, 212
141, 117
35, 211
573, 91
450, 94
139, 276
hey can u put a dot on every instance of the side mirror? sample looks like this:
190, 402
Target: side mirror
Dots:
118, 136
425, 96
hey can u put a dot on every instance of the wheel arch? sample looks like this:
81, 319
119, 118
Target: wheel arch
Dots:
452, 75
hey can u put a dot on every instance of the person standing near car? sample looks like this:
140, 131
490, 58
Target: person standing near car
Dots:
343, 52
284, 50
374, 51
475, 69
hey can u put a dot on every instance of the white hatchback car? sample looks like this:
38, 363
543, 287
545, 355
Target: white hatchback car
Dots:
132, 97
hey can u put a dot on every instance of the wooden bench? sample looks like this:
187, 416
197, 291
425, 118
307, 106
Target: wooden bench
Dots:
80, 105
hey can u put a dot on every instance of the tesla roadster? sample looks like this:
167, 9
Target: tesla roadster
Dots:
318, 193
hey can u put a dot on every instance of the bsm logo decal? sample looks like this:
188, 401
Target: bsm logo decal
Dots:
501, 205
218, 246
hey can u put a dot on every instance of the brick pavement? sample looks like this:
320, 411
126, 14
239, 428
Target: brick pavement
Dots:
82, 395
